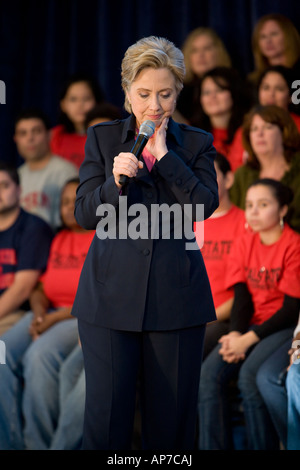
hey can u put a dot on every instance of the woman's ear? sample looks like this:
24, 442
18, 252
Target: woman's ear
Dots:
229, 179
283, 211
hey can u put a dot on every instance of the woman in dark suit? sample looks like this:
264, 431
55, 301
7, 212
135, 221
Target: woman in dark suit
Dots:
144, 298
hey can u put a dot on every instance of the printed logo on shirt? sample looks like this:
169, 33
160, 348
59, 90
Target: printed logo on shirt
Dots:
60, 261
263, 278
8, 257
216, 249
35, 199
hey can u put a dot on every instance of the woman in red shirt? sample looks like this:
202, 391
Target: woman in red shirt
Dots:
79, 95
264, 270
223, 103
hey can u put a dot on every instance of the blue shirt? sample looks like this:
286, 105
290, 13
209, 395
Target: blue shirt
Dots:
24, 245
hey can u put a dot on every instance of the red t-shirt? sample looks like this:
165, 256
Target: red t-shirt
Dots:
67, 255
237, 155
220, 234
270, 271
220, 137
68, 145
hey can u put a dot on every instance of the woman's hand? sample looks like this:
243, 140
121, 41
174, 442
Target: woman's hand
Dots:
157, 145
42, 322
125, 164
235, 346
225, 350
38, 318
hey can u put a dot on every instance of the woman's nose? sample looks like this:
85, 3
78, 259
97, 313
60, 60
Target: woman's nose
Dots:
154, 102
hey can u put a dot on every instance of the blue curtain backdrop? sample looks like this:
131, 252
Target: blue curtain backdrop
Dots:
43, 42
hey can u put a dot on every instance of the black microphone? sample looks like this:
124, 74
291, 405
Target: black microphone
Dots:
147, 129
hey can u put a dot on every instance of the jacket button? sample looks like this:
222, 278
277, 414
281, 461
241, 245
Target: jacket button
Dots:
186, 190
146, 252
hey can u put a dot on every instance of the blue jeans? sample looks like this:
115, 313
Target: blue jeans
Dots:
68, 434
29, 398
293, 393
271, 386
213, 402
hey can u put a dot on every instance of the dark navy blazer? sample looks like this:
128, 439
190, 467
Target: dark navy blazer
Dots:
154, 283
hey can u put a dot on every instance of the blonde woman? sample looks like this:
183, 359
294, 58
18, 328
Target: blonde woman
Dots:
143, 301
203, 50
275, 41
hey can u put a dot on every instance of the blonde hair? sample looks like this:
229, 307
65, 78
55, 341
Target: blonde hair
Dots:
223, 60
281, 118
291, 42
154, 52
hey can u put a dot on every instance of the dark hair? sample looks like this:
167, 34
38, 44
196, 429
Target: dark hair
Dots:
103, 110
279, 117
281, 192
227, 79
285, 72
94, 87
11, 171
33, 113
223, 164
74, 180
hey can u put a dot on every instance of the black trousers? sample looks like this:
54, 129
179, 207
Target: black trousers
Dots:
168, 365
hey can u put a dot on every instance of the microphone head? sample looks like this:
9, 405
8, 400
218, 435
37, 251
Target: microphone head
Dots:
147, 129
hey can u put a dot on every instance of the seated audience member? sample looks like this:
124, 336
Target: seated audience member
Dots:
24, 248
222, 106
102, 112
272, 142
221, 230
38, 344
279, 385
203, 50
71, 394
43, 174
79, 95
275, 41
264, 270
274, 88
